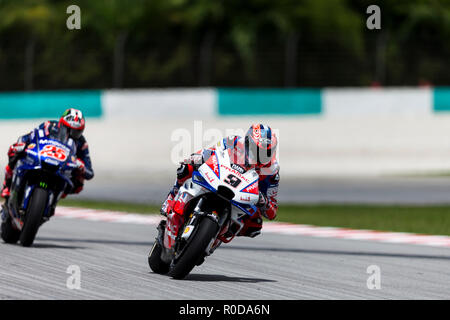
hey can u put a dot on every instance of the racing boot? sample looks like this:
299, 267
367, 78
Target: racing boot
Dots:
168, 204
5, 192
172, 226
174, 222
251, 228
184, 172
7, 182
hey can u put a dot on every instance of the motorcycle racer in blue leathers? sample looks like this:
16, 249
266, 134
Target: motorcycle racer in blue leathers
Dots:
74, 121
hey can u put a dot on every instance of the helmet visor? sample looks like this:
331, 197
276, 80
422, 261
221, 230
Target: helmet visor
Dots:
75, 134
261, 154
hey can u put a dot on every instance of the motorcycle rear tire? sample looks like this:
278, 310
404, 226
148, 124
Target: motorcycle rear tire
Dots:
9, 233
154, 260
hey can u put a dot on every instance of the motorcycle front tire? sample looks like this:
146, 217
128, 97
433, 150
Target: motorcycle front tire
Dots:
207, 229
33, 216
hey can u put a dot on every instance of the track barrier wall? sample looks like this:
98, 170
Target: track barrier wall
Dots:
330, 131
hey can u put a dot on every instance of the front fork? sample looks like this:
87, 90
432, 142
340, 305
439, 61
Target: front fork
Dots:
197, 216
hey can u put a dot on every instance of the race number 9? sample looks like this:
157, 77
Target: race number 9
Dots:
232, 180
53, 152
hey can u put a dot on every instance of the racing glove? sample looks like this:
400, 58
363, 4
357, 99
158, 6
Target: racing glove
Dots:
80, 166
195, 159
16, 149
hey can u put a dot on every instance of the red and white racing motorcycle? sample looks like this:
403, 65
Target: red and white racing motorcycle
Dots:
215, 201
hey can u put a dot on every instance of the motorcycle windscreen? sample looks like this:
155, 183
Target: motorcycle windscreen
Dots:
62, 134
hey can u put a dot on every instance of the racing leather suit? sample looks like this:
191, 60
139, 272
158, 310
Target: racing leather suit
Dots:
268, 185
16, 150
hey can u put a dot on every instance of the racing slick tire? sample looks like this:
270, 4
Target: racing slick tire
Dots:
195, 250
9, 233
33, 216
154, 259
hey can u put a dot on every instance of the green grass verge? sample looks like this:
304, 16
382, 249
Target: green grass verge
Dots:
416, 219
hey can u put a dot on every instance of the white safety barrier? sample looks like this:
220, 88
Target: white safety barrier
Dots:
168, 103
360, 132
348, 102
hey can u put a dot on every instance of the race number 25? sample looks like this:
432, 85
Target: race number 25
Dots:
53, 152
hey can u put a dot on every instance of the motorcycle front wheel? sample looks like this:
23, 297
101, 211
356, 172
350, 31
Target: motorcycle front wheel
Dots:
33, 216
195, 250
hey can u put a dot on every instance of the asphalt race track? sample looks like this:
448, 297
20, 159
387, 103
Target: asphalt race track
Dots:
112, 258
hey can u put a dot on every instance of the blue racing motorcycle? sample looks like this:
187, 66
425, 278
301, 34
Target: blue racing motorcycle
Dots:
42, 174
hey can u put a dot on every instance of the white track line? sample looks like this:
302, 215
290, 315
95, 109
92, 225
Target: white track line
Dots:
269, 227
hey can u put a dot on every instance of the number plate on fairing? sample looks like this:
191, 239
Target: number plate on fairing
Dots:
217, 171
